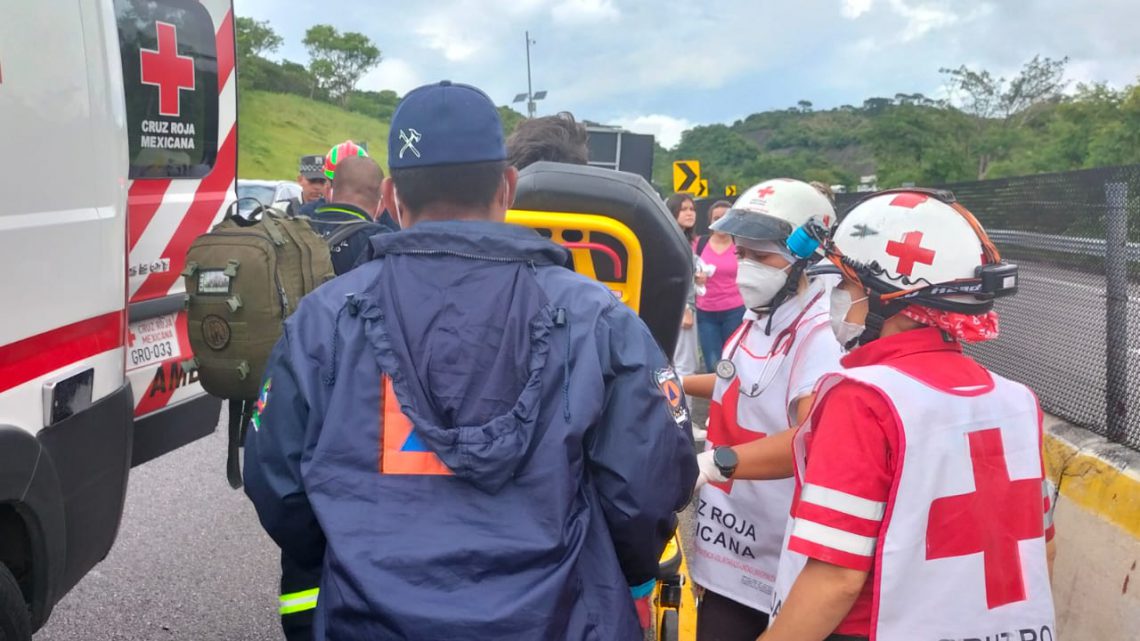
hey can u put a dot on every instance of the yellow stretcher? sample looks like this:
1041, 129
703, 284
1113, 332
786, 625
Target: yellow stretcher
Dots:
590, 237
608, 250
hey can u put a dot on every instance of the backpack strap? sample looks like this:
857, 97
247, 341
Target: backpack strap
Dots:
346, 230
702, 242
274, 231
241, 412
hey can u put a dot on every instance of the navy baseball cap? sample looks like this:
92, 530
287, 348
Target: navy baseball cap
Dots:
445, 124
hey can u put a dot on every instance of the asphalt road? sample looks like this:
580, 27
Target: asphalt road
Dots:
1053, 339
191, 562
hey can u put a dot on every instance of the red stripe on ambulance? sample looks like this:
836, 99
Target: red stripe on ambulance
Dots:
35, 356
145, 197
225, 40
209, 198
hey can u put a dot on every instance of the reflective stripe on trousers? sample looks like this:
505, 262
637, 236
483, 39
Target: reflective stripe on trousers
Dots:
298, 601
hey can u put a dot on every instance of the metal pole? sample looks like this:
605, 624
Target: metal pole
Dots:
529, 88
1116, 335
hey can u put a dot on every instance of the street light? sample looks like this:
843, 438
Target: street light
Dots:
531, 96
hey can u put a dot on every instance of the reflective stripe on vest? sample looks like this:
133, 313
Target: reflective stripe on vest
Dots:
960, 553
298, 601
338, 210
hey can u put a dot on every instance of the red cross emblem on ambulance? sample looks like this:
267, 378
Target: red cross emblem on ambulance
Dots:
165, 69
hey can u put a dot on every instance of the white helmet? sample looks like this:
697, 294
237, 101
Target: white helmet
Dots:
921, 246
773, 209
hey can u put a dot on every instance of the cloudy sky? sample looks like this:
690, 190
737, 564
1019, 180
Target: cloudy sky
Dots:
661, 66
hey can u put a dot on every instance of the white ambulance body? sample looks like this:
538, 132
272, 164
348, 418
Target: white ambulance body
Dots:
117, 148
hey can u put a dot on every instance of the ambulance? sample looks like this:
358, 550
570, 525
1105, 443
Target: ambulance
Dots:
117, 148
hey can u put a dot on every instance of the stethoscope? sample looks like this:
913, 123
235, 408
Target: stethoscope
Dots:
782, 346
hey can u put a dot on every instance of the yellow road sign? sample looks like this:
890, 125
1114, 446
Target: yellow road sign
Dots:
686, 176
730, 190
703, 192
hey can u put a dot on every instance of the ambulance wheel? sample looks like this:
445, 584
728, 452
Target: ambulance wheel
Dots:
670, 626
15, 619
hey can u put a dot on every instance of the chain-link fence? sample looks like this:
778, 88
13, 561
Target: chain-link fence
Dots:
1067, 333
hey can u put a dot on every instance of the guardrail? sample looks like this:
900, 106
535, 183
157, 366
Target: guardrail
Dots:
1063, 244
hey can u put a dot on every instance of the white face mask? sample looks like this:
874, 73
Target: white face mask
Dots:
759, 283
841, 303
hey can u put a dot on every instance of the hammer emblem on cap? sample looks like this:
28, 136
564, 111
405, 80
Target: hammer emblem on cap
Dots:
410, 138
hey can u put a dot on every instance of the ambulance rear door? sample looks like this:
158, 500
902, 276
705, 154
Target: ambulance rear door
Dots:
180, 88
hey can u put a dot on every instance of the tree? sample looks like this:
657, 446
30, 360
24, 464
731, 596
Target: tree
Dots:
380, 105
254, 41
510, 119
919, 144
804, 106
876, 105
255, 38
1000, 106
338, 60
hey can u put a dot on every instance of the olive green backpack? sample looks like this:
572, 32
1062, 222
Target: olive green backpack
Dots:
243, 279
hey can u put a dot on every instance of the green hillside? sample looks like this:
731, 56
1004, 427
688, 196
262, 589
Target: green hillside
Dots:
275, 130
912, 139
1032, 122
905, 139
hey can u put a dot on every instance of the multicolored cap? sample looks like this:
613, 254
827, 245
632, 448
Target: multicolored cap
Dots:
338, 153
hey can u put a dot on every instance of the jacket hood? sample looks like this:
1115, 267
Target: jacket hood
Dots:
478, 238
460, 324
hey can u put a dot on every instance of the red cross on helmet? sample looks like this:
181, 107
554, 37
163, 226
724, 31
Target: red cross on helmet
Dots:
921, 246
773, 209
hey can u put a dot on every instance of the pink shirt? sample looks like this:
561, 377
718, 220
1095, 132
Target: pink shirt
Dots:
721, 293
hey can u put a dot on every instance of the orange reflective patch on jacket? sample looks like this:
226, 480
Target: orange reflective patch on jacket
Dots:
401, 449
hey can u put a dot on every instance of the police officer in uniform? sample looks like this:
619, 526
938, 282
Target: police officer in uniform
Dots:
314, 184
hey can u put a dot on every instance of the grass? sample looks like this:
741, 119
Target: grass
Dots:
275, 130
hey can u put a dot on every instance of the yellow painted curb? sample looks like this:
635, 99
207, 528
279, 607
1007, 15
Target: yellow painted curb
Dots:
1094, 483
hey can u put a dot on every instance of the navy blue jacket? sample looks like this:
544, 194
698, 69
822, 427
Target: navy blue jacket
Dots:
523, 476
308, 208
328, 218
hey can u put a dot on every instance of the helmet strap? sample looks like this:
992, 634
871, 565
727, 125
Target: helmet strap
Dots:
789, 289
878, 312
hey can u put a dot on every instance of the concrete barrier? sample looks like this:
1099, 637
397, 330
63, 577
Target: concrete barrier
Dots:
1096, 581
